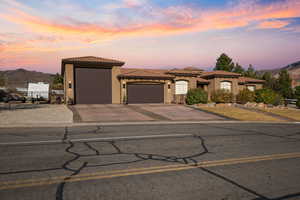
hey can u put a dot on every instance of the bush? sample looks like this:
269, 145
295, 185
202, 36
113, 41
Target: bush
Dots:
298, 103
245, 96
3, 94
268, 96
297, 92
222, 96
195, 96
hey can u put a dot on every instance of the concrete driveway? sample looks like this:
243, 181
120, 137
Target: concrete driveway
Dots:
139, 112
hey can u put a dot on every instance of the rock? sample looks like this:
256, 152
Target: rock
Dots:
260, 105
211, 105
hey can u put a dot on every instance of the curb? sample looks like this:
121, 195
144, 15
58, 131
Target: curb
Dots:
54, 125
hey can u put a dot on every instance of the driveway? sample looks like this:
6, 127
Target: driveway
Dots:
139, 112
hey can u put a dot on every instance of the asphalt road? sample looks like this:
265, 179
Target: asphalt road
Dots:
188, 161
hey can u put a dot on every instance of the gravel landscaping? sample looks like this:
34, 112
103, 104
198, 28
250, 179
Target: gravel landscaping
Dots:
238, 113
35, 114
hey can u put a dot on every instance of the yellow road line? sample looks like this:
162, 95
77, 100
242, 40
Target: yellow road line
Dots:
140, 171
150, 168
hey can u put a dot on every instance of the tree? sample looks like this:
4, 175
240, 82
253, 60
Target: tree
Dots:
251, 72
58, 82
58, 79
238, 69
270, 81
225, 63
285, 84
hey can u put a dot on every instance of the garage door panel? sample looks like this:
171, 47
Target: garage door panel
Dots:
93, 86
145, 93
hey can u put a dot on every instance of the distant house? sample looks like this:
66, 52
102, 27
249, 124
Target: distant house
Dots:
94, 80
37, 90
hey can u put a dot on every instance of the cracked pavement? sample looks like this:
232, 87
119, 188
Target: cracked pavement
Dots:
88, 163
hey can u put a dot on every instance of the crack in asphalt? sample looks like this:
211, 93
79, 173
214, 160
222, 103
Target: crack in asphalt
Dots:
139, 157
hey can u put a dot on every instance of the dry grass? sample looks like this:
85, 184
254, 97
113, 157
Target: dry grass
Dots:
288, 112
240, 114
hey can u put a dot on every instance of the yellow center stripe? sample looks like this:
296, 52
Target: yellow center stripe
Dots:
140, 171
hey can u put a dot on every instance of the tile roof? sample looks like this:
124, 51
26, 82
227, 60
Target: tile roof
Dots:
218, 73
144, 73
185, 71
93, 59
250, 80
201, 80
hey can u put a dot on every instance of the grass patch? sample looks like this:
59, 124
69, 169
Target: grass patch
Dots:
289, 112
240, 114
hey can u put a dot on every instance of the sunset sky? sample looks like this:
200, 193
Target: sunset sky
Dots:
37, 34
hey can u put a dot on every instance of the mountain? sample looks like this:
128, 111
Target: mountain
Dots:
293, 69
21, 77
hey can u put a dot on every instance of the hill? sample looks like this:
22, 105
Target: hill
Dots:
293, 69
21, 77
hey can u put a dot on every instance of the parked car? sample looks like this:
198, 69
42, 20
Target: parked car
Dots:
14, 97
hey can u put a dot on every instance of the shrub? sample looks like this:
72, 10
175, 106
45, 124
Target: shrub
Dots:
297, 92
222, 96
3, 94
195, 96
298, 103
268, 96
245, 96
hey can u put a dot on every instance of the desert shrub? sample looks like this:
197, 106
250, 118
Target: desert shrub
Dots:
222, 96
245, 96
298, 103
3, 94
268, 96
297, 92
195, 96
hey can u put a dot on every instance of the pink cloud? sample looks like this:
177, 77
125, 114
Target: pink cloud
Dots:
167, 21
273, 24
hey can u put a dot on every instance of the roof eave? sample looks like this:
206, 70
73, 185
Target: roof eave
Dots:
88, 63
145, 77
219, 76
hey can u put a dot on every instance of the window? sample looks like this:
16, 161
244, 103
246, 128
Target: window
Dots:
181, 87
251, 88
226, 85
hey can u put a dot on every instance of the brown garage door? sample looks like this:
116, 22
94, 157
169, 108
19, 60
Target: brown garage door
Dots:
93, 86
145, 93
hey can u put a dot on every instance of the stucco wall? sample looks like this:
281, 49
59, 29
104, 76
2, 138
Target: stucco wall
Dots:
257, 86
116, 85
192, 83
69, 78
215, 84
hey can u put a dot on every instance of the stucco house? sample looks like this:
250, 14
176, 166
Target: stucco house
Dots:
95, 80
